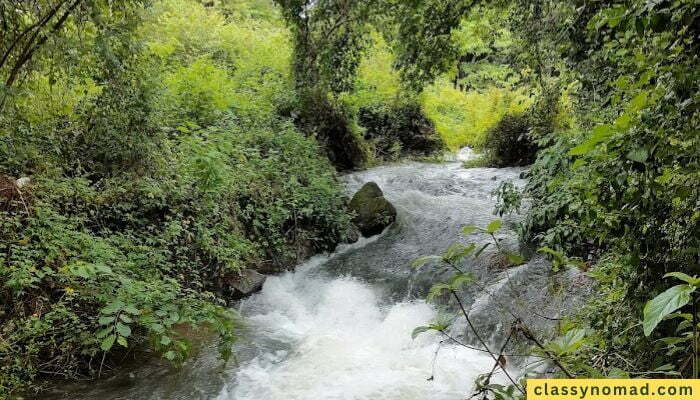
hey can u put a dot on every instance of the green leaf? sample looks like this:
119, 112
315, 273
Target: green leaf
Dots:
105, 320
470, 229
623, 122
125, 318
122, 341
599, 134
421, 261
131, 310
103, 269
165, 340
618, 373
174, 316
108, 342
684, 277
104, 332
81, 271
494, 226
437, 290
170, 355
578, 163
113, 308
419, 330
123, 330
515, 259
667, 302
638, 102
459, 280
639, 154
457, 251
568, 343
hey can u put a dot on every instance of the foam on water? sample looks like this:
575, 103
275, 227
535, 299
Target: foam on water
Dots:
344, 343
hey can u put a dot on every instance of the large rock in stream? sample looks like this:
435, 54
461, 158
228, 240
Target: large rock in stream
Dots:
373, 212
248, 283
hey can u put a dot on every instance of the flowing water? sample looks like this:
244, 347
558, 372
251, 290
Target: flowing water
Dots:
339, 326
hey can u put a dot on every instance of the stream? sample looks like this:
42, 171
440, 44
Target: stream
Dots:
339, 326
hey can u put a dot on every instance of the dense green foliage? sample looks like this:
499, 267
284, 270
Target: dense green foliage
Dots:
615, 181
623, 180
159, 170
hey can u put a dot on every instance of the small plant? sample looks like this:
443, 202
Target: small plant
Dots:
555, 351
508, 198
451, 259
665, 306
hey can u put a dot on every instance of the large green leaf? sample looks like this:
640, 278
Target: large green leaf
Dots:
123, 329
568, 343
459, 280
437, 290
421, 261
664, 304
639, 154
684, 277
494, 225
599, 134
108, 342
469, 229
419, 330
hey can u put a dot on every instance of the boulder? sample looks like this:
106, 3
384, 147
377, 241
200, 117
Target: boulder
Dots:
249, 282
22, 182
373, 212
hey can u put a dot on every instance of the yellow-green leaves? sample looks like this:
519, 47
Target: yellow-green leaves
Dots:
493, 226
602, 132
116, 318
108, 342
468, 229
437, 326
421, 261
684, 277
457, 282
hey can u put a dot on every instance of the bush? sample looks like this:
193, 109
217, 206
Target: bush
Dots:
332, 124
399, 130
510, 143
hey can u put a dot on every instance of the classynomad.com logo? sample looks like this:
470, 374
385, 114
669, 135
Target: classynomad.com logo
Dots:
613, 389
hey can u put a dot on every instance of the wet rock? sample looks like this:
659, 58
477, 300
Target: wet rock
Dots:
373, 212
352, 234
248, 283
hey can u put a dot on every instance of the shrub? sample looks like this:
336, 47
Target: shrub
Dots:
510, 143
333, 125
399, 130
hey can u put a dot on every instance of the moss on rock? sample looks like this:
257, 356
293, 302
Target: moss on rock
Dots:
373, 212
